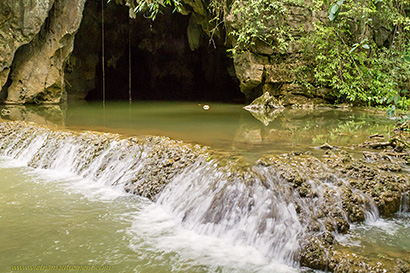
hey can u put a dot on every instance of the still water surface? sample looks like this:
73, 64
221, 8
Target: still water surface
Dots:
229, 127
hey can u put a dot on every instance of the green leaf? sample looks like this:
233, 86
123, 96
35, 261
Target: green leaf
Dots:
340, 2
396, 99
333, 11
354, 48
365, 46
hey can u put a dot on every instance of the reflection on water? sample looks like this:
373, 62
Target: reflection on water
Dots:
41, 114
226, 127
384, 240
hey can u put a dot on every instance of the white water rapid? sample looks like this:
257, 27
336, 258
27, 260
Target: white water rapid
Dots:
252, 211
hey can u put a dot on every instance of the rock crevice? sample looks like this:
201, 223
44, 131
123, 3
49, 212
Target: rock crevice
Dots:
34, 60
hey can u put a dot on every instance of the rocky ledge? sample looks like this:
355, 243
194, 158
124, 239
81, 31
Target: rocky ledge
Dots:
328, 193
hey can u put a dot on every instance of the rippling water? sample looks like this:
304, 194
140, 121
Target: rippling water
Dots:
54, 218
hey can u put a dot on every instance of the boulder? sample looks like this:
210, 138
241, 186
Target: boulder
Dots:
265, 108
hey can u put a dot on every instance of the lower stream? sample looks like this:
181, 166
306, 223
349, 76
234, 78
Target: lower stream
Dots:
62, 214
53, 218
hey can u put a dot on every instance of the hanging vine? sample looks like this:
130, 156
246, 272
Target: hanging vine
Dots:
103, 51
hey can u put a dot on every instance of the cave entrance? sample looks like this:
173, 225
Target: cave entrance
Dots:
163, 66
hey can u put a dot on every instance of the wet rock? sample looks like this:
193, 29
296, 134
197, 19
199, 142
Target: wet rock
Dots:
321, 255
326, 146
265, 108
335, 191
325, 194
402, 266
264, 103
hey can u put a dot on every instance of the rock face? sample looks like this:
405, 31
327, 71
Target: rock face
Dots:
175, 54
38, 69
20, 22
265, 108
37, 41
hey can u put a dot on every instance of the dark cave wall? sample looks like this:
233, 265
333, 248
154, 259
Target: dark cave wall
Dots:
163, 65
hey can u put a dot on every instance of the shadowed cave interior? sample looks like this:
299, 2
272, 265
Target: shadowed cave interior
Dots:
162, 63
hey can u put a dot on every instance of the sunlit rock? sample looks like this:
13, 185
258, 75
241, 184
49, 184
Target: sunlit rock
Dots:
38, 69
18, 28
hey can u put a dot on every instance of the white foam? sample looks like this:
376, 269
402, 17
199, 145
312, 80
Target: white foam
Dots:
151, 227
159, 230
75, 184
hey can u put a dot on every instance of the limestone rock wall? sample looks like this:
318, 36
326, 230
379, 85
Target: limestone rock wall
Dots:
38, 69
20, 22
36, 38
264, 68
43, 31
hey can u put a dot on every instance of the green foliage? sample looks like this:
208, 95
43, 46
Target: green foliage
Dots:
334, 10
254, 21
151, 8
260, 20
347, 58
342, 50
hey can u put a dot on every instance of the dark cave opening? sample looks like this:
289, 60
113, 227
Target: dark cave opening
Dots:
162, 63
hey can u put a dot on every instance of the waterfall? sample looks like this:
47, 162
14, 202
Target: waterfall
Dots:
245, 206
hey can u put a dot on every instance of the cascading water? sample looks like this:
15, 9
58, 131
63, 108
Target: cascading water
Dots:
245, 206
221, 204
238, 209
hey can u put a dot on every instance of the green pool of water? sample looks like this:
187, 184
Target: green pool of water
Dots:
227, 127
383, 240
